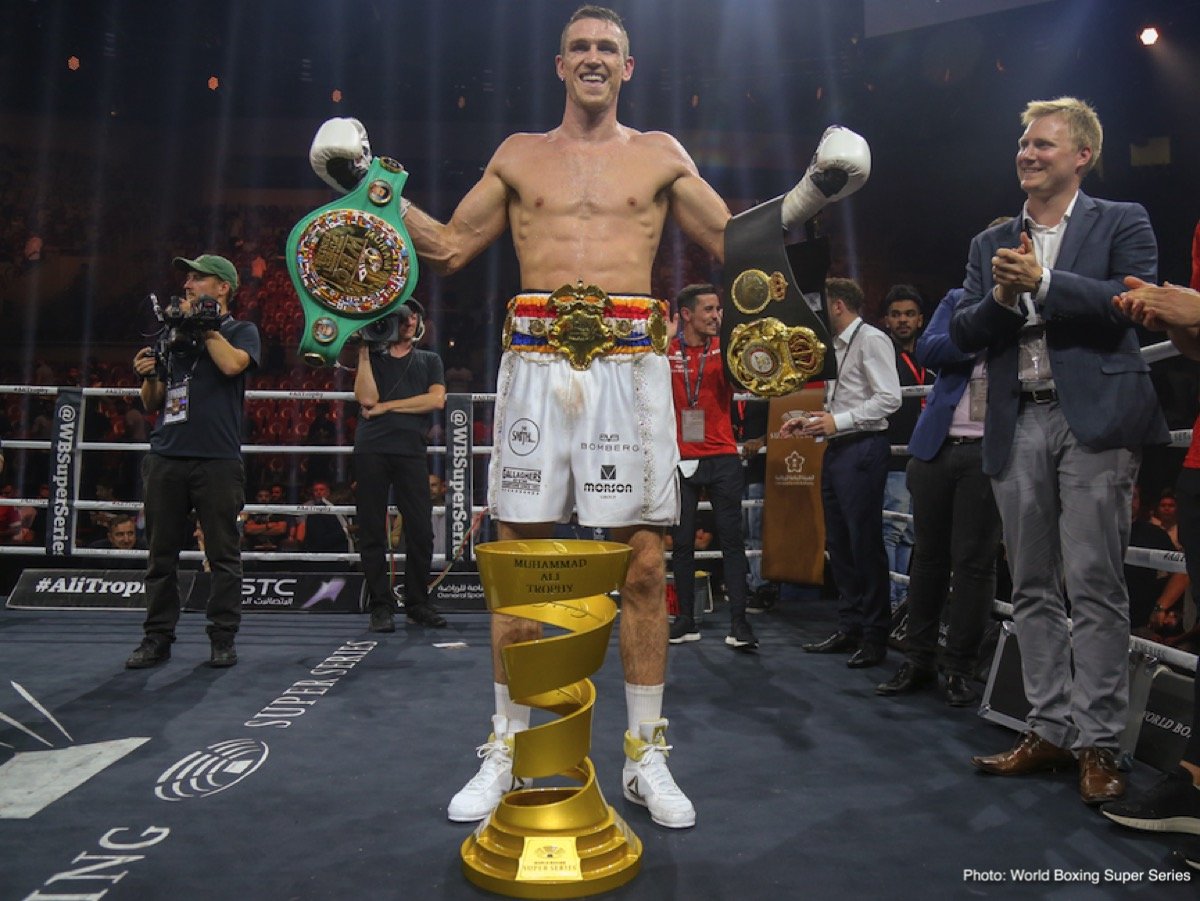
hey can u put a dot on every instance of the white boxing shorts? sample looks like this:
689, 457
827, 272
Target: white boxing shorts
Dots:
582, 430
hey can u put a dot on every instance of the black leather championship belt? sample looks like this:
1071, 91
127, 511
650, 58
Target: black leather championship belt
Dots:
351, 262
773, 326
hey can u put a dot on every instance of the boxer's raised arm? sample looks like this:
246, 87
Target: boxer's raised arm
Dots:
481, 218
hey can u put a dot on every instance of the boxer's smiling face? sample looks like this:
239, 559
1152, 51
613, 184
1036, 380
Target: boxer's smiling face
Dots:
594, 62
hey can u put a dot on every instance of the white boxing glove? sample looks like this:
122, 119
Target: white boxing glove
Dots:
840, 167
340, 153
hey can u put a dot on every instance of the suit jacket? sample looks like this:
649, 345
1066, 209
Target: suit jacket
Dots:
936, 351
1103, 383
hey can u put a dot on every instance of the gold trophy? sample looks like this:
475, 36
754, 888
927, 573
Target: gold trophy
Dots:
554, 842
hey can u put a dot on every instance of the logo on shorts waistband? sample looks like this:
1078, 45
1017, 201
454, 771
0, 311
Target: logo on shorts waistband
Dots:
524, 437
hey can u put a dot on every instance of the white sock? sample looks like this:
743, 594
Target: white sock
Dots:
516, 714
643, 704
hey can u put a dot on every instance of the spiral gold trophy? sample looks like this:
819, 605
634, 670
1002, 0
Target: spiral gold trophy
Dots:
554, 842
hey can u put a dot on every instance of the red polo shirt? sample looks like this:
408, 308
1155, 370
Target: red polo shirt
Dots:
715, 398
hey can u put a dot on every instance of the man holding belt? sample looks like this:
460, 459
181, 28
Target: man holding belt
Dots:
584, 376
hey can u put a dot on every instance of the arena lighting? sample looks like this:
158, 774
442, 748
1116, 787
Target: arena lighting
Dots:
1149, 36
73, 63
336, 96
213, 82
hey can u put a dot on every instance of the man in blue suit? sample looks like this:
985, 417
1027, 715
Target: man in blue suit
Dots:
1069, 405
955, 521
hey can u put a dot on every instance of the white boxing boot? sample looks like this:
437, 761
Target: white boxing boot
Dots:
646, 780
479, 797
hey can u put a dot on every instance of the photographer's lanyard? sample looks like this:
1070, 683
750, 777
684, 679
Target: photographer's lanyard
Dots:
175, 403
691, 420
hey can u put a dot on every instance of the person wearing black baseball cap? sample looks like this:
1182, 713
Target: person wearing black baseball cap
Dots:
196, 384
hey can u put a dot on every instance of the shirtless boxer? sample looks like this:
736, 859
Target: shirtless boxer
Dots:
586, 204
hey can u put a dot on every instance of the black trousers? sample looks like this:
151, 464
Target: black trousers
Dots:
216, 489
852, 480
408, 478
957, 529
722, 476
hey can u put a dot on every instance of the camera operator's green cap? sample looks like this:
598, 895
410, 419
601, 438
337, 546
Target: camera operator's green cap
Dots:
210, 264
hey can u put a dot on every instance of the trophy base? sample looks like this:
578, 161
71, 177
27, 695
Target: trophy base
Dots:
552, 843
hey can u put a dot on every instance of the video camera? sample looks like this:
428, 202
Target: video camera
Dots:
183, 332
387, 330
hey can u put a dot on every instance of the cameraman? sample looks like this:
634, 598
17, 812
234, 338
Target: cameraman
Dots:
397, 386
196, 380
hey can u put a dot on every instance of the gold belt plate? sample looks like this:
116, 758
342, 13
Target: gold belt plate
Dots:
753, 290
585, 325
579, 331
772, 359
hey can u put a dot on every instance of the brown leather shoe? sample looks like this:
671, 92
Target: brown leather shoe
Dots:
1099, 778
1032, 754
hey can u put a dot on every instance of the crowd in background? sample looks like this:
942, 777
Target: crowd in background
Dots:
255, 238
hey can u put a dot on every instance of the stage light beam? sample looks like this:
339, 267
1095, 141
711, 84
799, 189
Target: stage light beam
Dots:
1149, 36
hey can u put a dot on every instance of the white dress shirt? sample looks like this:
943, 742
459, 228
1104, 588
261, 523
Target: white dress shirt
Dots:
867, 387
1033, 365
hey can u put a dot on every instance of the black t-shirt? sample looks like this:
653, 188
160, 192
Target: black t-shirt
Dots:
397, 378
1144, 583
214, 401
264, 540
903, 421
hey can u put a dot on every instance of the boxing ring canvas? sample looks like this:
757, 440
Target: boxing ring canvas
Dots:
321, 766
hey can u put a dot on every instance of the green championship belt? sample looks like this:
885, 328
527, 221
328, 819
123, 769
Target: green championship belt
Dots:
352, 262
774, 340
